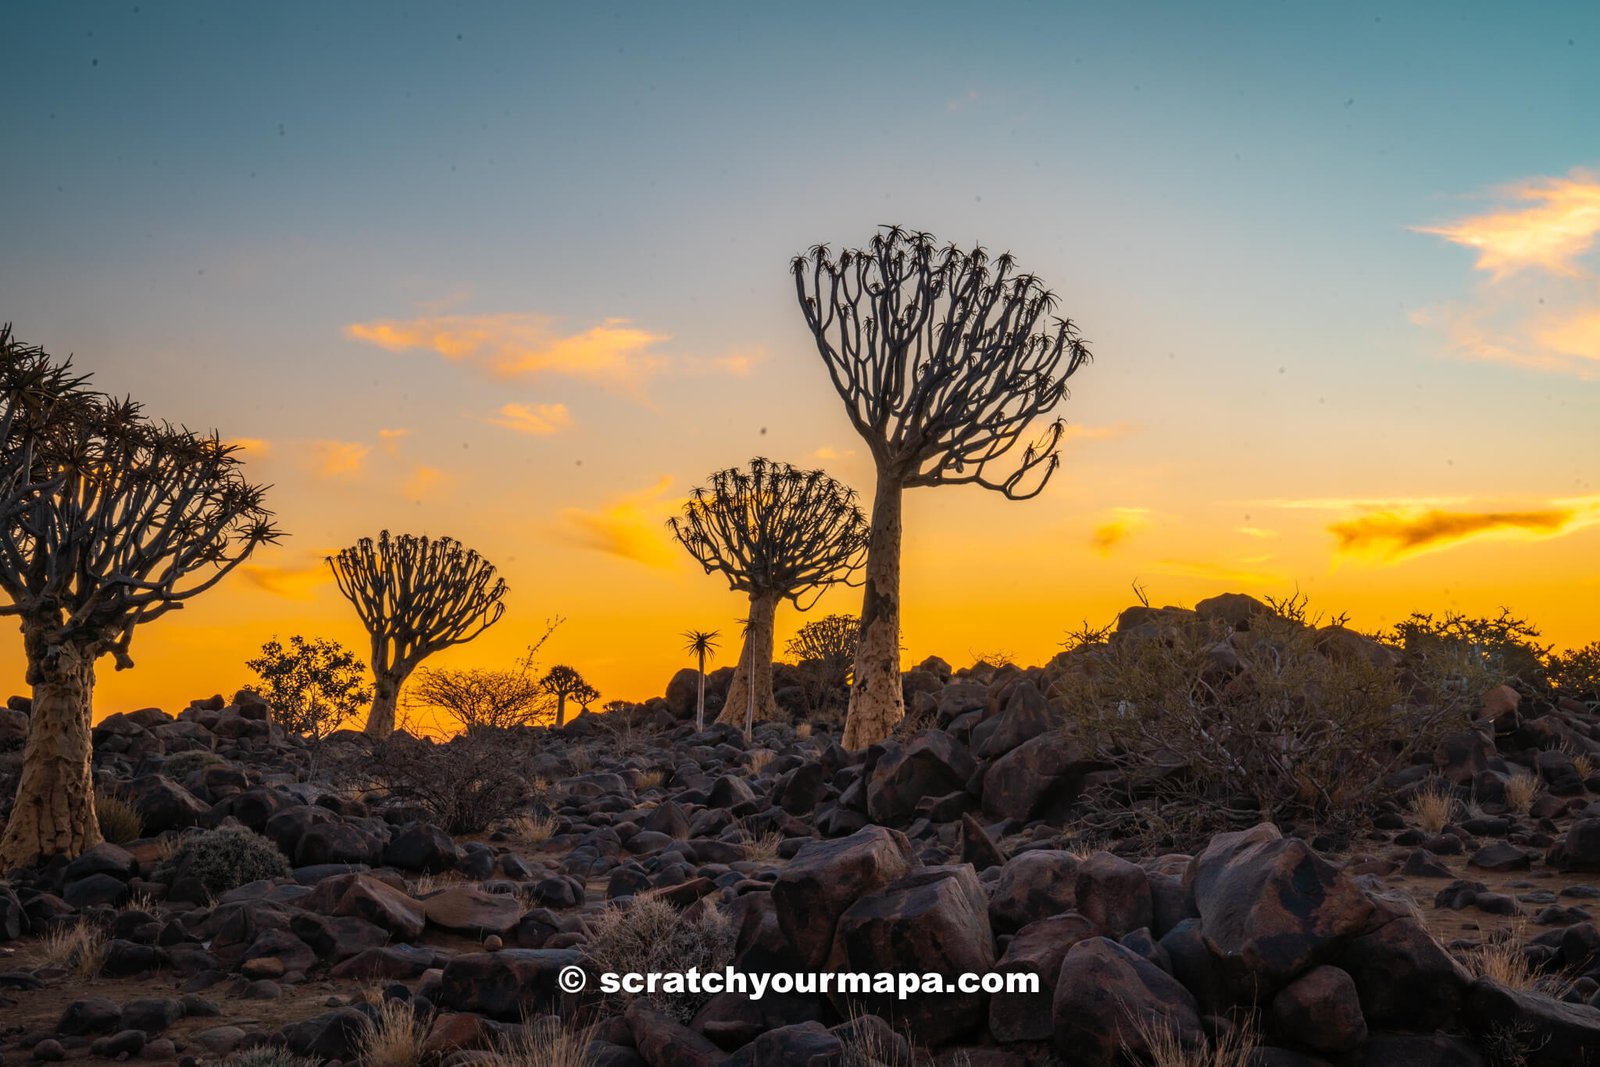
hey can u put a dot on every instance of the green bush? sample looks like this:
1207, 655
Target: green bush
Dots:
224, 859
1576, 672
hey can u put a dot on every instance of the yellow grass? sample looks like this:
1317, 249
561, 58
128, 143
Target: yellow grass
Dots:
1521, 791
1236, 1049
760, 758
543, 1045
802, 731
79, 948
652, 779
393, 1039
533, 829
761, 848
1432, 810
120, 822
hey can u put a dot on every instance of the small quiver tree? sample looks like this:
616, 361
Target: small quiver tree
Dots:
563, 682
415, 595
777, 533
107, 520
943, 358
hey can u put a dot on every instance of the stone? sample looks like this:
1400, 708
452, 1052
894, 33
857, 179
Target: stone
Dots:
164, 804
333, 1035
1405, 978
825, 878
507, 985
1105, 994
664, 1042
466, 910
1033, 885
929, 764
1579, 848
1549, 1032
90, 1015
1038, 949
1321, 1011
420, 847
1041, 778
1114, 894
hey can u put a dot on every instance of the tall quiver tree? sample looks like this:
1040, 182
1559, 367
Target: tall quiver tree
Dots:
415, 595
108, 520
777, 533
943, 358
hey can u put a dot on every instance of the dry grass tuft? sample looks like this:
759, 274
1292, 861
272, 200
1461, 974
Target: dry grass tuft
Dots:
1236, 1048
533, 829
581, 760
760, 758
1432, 810
1583, 763
543, 1045
761, 848
802, 731
1521, 791
1503, 958
423, 884
120, 822
651, 935
394, 1038
79, 948
652, 779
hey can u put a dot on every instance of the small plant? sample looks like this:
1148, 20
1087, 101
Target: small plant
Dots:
424, 884
802, 731
1503, 958
652, 779
534, 828
543, 1044
759, 760
79, 948
581, 760
1432, 810
1583, 764
224, 859
651, 935
1521, 789
180, 765
869, 1042
761, 848
267, 1056
120, 822
393, 1037
1236, 1048
313, 687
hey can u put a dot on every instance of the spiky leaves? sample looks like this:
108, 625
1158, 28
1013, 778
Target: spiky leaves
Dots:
777, 533
944, 359
107, 520
415, 595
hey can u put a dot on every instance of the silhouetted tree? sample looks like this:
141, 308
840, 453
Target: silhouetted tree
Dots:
415, 595
476, 698
314, 686
562, 682
702, 643
107, 520
777, 533
825, 648
943, 358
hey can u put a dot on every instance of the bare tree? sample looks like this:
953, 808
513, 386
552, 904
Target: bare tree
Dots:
562, 682
703, 644
415, 595
943, 358
107, 520
777, 533
480, 698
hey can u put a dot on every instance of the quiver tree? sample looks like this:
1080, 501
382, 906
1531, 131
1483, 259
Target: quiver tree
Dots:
415, 595
943, 358
702, 645
777, 533
563, 682
107, 520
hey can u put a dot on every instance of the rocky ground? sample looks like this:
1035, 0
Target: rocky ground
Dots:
1462, 937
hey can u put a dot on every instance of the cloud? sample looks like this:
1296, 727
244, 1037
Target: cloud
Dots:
512, 345
1117, 529
632, 526
296, 582
738, 363
827, 454
390, 439
1395, 535
421, 479
1255, 531
339, 459
1075, 432
538, 419
1539, 307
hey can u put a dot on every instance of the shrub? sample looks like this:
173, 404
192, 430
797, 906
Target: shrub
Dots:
182, 764
313, 686
1576, 672
1433, 809
473, 780
392, 1037
826, 651
477, 699
79, 948
224, 859
1215, 728
543, 1043
651, 935
120, 822
1469, 654
267, 1056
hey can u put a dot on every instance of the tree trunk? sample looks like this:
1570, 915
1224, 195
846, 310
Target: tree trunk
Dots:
385, 695
700, 700
561, 709
877, 701
54, 811
755, 662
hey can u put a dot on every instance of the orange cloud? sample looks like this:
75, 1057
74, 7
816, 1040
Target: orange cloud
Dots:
1111, 533
339, 459
421, 480
537, 419
632, 526
251, 446
295, 583
514, 345
1540, 306
391, 439
1396, 535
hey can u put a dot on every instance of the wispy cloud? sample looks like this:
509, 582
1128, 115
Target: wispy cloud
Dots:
613, 353
391, 438
1396, 535
251, 446
541, 420
828, 454
1539, 307
632, 526
421, 479
296, 582
339, 460
1255, 531
1118, 528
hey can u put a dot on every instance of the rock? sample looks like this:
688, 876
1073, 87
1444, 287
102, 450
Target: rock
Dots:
663, 1042
1033, 885
507, 985
401, 962
1114, 894
104, 858
96, 889
977, 847
807, 1044
1548, 1032
1038, 949
1233, 610
1414, 1050
1321, 1011
1501, 856
120, 1044
125, 959
931, 921
164, 804
1105, 993
1039, 779
368, 897
1579, 849
825, 878
13, 916
287, 952
153, 1015
220, 1040
420, 847
91, 1015
1405, 978
333, 1035
49, 1051
472, 911
1271, 908
931, 763
339, 937
335, 842
1026, 715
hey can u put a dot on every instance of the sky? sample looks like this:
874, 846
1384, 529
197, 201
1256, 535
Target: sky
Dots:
517, 274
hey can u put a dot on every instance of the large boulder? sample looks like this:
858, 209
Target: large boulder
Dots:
1114, 894
509, 985
824, 878
164, 804
468, 910
421, 847
1025, 716
931, 921
1547, 1032
1036, 949
1108, 998
1320, 1011
1033, 885
368, 897
930, 764
1040, 778
1271, 908
1405, 978
1579, 849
